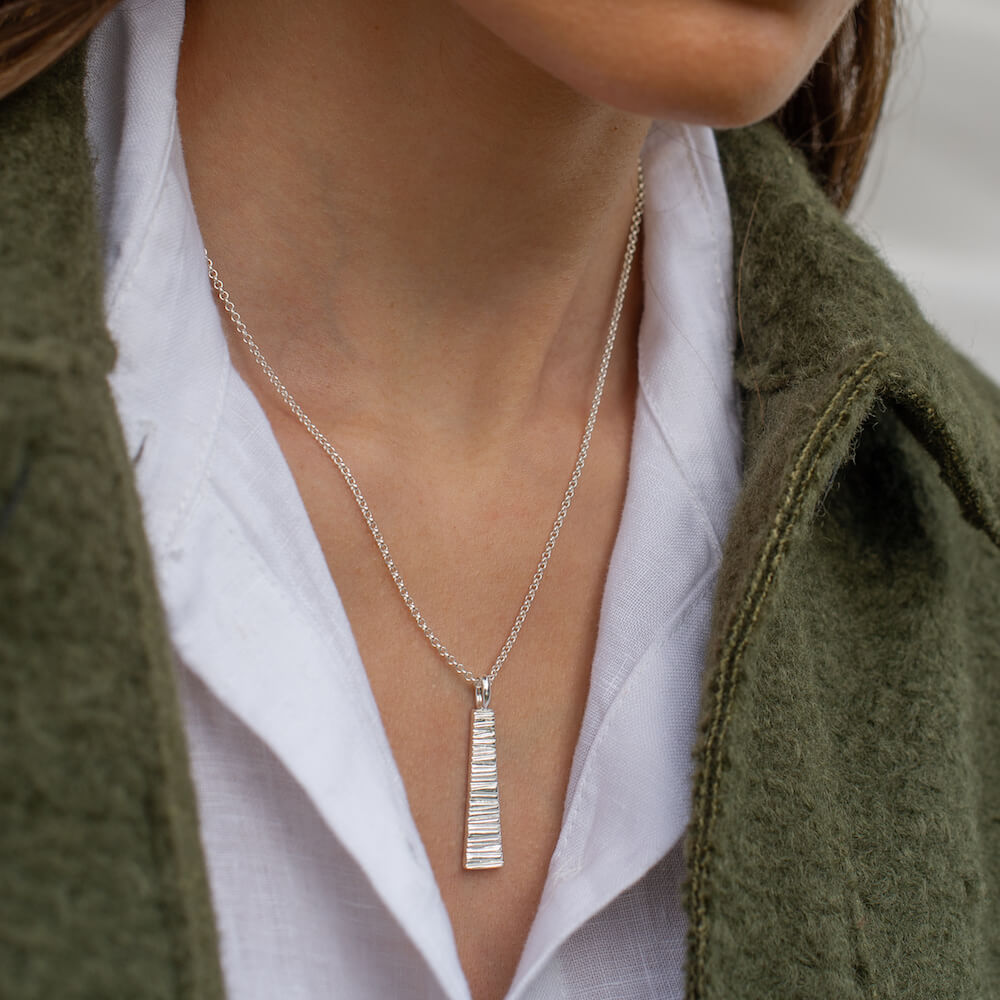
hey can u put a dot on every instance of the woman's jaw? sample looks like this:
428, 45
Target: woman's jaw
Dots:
723, 63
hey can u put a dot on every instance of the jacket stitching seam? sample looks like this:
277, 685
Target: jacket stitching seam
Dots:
739, 634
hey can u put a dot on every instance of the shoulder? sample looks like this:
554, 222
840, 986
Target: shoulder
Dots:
817, 305
847, 763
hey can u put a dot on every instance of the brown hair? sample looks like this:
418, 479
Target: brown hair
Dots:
831, 118
34, 33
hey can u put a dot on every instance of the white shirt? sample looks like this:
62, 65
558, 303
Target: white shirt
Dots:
320, 882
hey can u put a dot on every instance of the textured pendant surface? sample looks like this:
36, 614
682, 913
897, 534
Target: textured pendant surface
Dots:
483, 846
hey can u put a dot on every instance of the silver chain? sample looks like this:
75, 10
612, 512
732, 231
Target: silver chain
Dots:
352, 483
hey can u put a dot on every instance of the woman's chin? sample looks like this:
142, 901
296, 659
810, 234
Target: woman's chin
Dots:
723, 63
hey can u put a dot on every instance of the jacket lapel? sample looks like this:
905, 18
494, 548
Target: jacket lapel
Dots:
836, 846
103, 887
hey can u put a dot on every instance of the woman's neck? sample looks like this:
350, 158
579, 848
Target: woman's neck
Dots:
405, 209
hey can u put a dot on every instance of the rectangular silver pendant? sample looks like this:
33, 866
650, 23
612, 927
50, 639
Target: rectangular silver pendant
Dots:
483, 847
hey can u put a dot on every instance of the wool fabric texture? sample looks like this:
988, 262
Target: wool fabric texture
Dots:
102, 885
845, 835
845, 839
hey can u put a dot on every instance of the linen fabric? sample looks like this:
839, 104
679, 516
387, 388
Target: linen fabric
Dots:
320, 881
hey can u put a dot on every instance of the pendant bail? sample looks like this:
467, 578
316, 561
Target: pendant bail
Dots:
483, 692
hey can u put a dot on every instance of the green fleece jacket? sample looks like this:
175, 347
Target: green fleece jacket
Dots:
845, 831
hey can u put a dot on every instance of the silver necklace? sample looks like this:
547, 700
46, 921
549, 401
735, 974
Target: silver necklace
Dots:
483, 843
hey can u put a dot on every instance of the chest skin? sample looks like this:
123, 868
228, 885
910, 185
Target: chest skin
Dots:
467, 556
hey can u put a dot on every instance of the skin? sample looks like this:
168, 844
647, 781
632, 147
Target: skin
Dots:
420, 209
